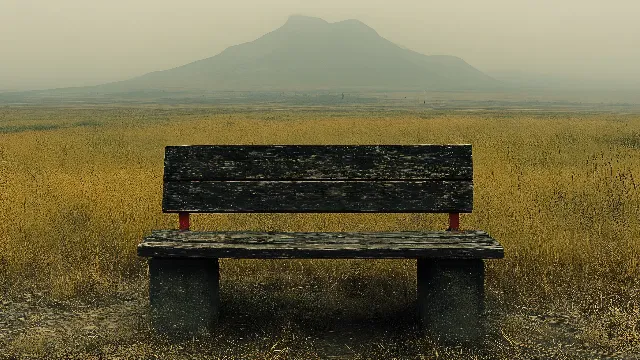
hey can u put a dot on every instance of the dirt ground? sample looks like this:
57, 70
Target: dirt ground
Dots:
259, 322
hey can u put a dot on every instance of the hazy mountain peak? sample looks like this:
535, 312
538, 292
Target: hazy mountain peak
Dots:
310, 53
313, 24
304, 21
354, 25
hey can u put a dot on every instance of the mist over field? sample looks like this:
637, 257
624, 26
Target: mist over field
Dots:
545, 44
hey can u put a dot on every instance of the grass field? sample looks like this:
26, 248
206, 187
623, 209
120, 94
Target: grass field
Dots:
80, 187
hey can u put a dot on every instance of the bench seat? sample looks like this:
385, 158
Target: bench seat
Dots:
471, 244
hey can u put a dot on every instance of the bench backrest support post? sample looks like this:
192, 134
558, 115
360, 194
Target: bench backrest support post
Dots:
184, 221
454, 222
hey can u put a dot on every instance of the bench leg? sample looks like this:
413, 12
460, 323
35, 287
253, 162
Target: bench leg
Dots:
451, 298
184, 295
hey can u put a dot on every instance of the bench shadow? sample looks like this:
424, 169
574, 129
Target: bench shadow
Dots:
322, 309
337, 317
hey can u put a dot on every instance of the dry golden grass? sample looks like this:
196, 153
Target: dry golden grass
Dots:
559, 191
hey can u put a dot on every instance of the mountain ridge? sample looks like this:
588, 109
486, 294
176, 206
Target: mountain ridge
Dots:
310, 53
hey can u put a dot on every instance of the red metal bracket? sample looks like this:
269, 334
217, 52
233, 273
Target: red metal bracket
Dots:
454, 222
184, 221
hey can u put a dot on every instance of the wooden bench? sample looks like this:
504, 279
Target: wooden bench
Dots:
183, 264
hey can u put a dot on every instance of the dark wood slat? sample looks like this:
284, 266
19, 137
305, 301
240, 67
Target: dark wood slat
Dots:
318, 196
410, 244
317, 162
371, 237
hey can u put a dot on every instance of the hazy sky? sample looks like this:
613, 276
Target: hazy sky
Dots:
54, 43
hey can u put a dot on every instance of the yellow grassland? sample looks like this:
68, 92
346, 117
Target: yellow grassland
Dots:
561, 192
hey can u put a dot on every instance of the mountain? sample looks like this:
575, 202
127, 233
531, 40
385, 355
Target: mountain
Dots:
309, 53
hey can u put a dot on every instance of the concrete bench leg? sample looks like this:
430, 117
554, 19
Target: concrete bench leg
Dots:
451, 298
183, 294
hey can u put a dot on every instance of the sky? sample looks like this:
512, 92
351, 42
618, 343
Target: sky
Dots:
62, 43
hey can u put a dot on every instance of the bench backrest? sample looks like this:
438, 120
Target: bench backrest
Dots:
318, 178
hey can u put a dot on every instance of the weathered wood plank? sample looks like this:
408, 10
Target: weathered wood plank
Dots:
318, 196
318, 162
410, 244
322, 237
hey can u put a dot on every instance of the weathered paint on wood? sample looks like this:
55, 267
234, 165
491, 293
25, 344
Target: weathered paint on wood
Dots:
235, 244
318, 162
318, 196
